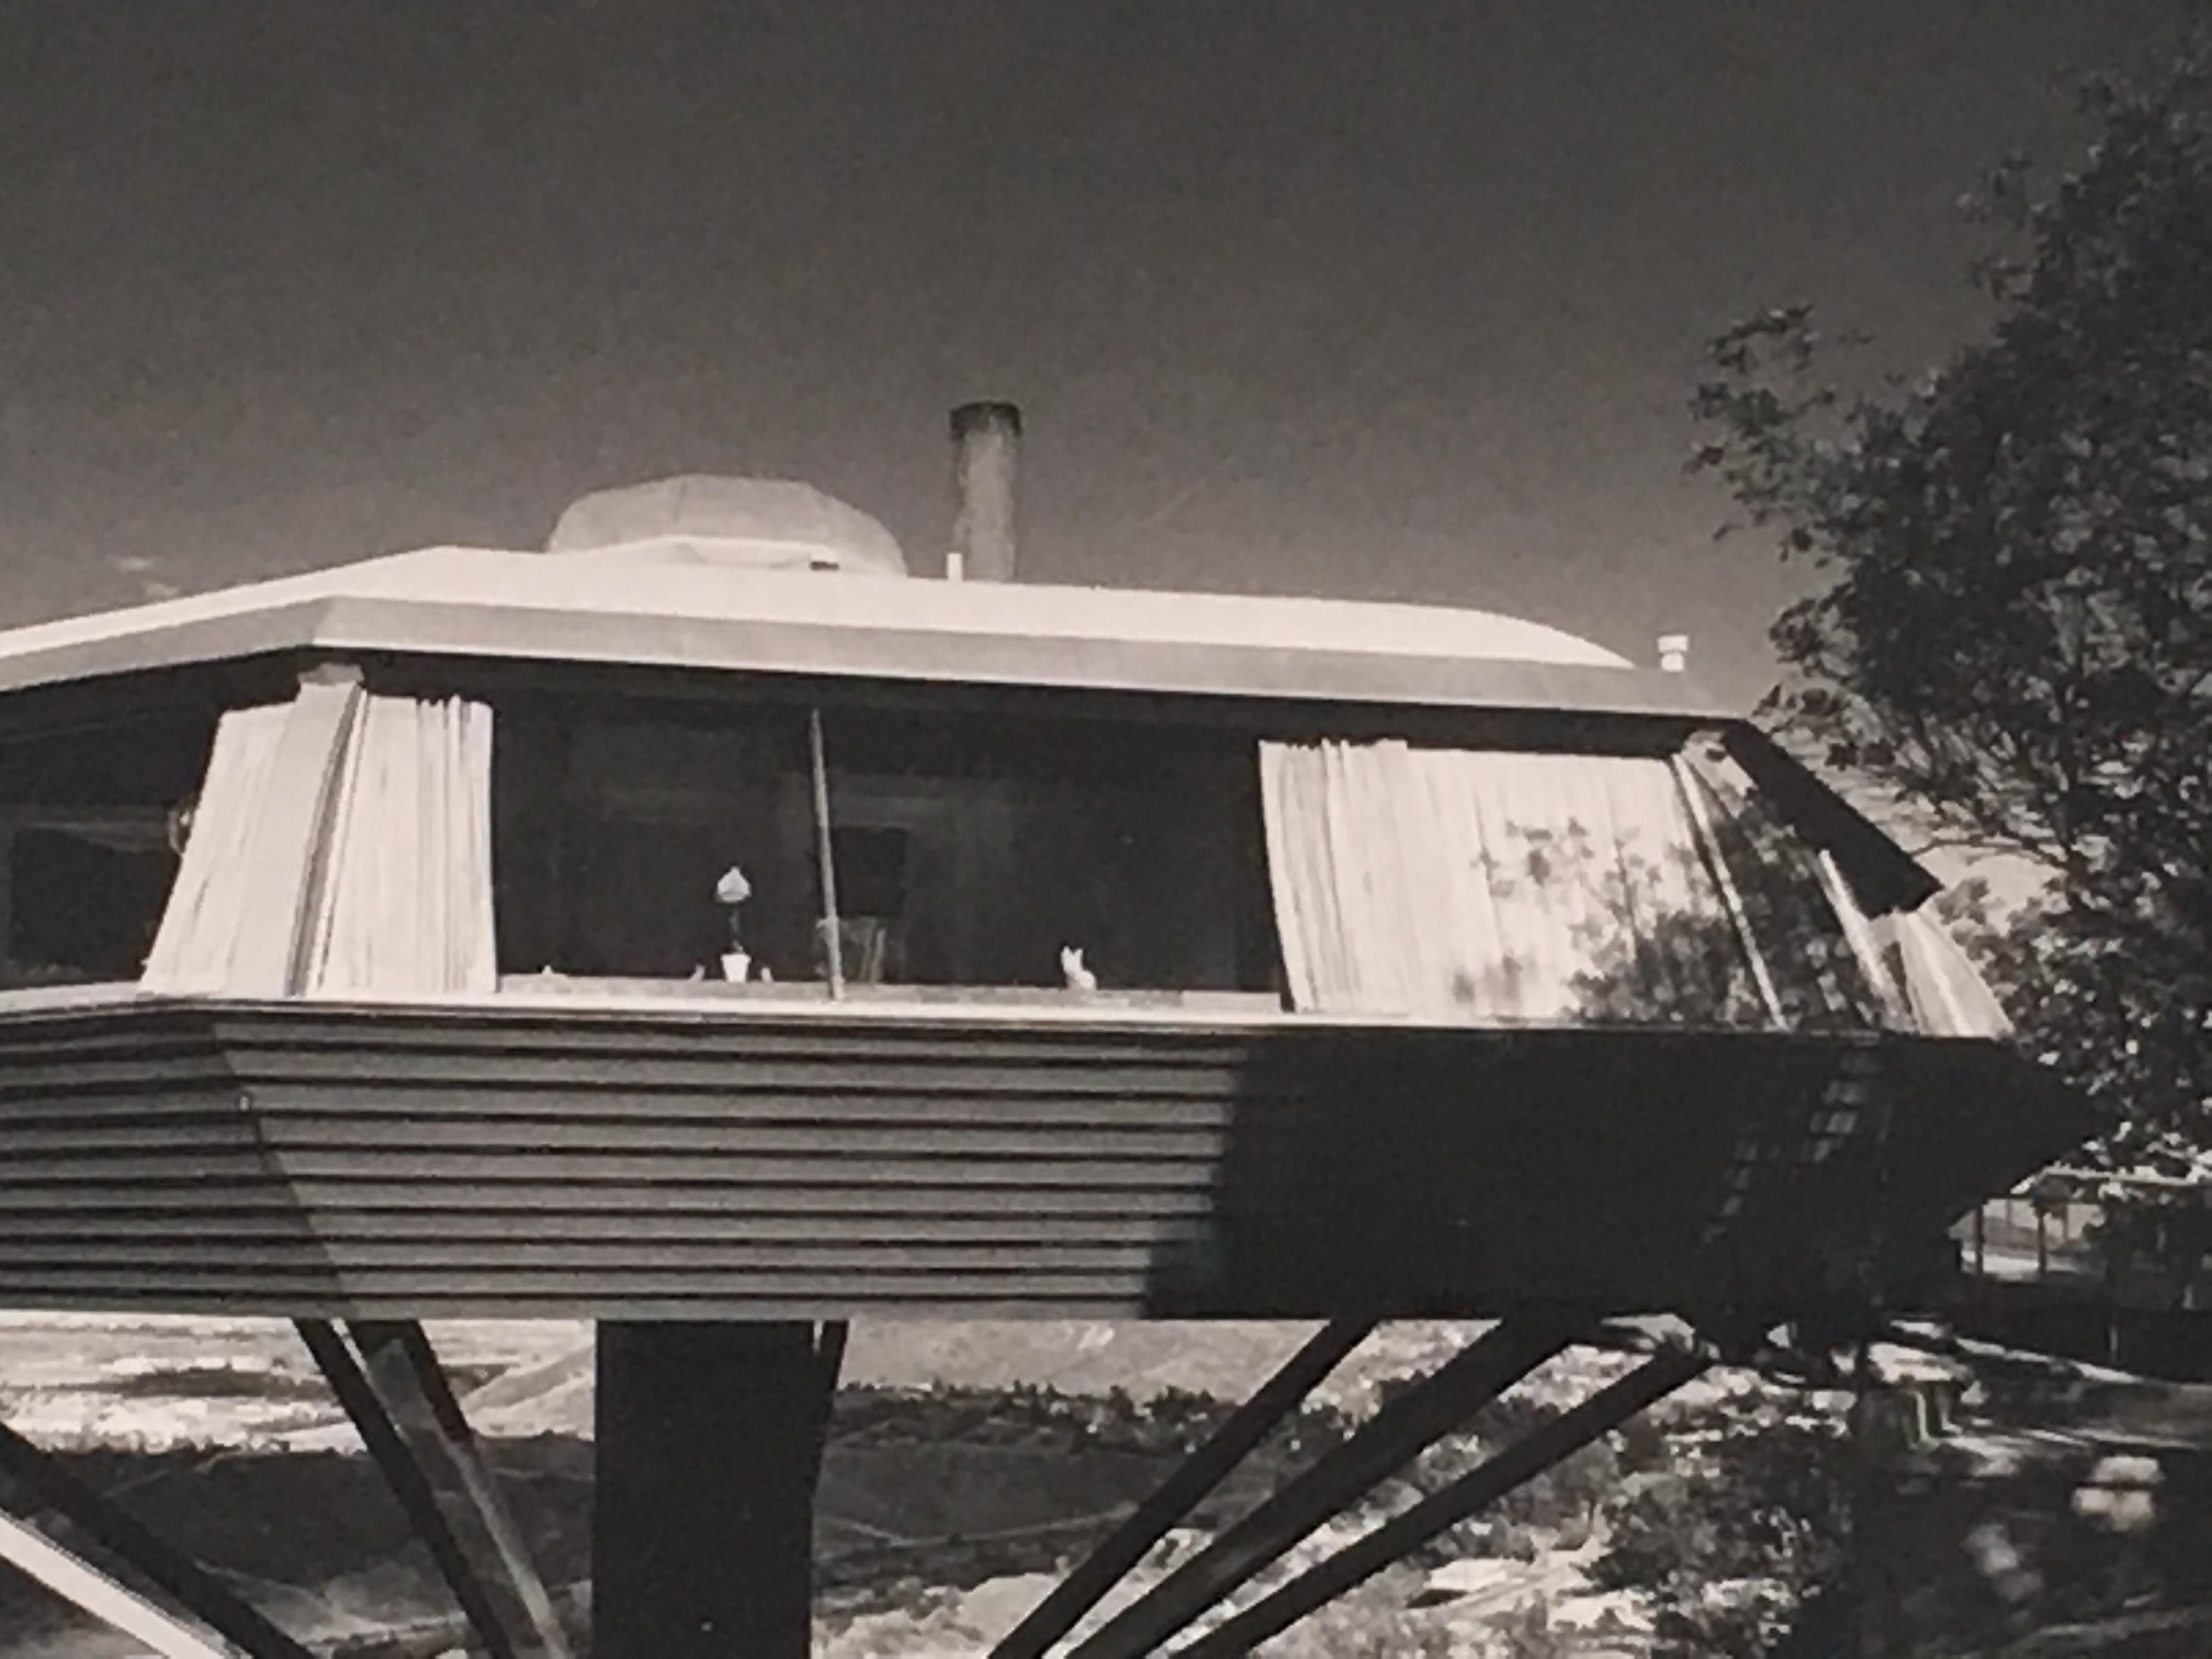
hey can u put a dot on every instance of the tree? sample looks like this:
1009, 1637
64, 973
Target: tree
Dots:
2013, 642
1746, 1521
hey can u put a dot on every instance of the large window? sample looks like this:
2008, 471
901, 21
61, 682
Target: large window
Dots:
960, 850
998, 846
975, 851
967, 850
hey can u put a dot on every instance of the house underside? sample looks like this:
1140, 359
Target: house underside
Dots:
664, 1158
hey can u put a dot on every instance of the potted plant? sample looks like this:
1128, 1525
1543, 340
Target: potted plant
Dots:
731, 892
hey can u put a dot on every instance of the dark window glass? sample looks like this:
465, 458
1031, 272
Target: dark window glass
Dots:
86, 864
84, 907
971, 850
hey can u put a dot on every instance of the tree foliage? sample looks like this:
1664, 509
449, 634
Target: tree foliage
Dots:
2013, 637
1751, 1521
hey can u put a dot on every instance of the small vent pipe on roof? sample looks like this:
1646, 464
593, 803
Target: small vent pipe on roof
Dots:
986, 446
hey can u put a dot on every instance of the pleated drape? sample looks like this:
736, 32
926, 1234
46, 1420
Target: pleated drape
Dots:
1947, 995
1483, 885
1494, 885
225, 866
406, 902
341, 846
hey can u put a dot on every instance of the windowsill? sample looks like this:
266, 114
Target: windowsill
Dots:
783, 991
997, 1006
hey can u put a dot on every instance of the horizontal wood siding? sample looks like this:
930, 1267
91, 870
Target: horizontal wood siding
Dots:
343, 1162
715, 1167
133, 1173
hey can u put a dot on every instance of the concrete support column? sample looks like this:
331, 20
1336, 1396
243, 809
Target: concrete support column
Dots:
708, 1442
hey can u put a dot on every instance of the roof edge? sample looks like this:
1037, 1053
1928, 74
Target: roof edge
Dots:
292, 626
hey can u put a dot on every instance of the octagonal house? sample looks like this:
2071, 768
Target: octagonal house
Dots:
706, 929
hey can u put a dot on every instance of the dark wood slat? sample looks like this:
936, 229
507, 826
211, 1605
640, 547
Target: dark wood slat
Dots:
31, 1146
135, 1039
824, 1167
188, 1164
178, 1272
642, 1076
609, 1288
29, 1256
588, 1170
28, 1156
201, 1069
379, 1102
463, 1224
128, 1031
149, 1198
917, 1136
105, 1110
189, 1195
843, 1196
205, 1253
432, 1305
205, 1077
292, 1134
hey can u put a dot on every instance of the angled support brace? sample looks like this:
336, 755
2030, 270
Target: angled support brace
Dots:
1482, 1487
194, 1589
403, 1369
36, 1556
1388, 1441
496, 1614
1182, 1491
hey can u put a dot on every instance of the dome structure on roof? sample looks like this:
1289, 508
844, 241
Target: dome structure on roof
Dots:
752, 523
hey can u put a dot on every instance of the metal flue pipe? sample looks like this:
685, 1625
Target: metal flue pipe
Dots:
986, 445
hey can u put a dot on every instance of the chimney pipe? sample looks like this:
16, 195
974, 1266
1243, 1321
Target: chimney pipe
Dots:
987, 445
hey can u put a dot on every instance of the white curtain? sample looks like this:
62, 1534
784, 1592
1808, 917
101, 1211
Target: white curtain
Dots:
1482, 885
1947, 992
341, 845
223, 870
1464, 884
1928, 983
406, 889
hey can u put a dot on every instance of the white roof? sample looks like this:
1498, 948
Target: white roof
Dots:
480, 602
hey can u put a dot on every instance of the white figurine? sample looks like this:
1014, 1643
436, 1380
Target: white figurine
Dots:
1078, 977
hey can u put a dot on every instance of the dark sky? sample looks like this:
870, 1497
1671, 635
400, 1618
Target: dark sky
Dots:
1393, 300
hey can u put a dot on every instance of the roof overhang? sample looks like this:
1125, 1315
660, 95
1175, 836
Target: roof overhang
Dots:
483, 603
